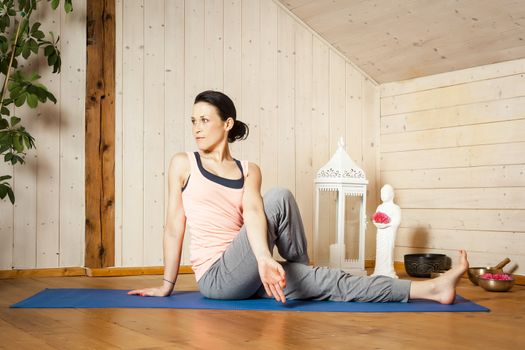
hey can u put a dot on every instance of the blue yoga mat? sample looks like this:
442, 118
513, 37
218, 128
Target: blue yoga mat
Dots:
114, 298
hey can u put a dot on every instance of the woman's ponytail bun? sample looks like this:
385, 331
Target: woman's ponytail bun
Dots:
240, 131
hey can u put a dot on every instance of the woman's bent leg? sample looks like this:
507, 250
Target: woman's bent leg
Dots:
285, 226
235, 275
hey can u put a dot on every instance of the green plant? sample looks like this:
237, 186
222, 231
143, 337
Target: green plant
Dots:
20, 36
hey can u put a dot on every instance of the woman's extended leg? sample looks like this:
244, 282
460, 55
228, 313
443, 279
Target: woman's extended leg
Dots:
305, 282
321, 283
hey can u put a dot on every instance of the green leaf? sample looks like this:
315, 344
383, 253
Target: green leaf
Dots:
4, 135
27, 142
20, 100
51, 97
5, 110
17, 145
14, 87
5, 177
8, 157
56, 66
54, 4
11, 195
38, 91
14, 121
68, 6
3, 191
4, 23
49, 50
26, 52
33, 45
32, 100
51, 60
39, 35
3, 124
35, 27
42, 96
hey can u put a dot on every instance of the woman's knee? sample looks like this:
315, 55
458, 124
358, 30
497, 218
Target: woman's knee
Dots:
277, 194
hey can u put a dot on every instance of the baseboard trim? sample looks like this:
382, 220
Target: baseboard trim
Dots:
132, 271
48, 272
90, 272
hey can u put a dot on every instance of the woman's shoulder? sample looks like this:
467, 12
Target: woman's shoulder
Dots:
180, 163
253, 169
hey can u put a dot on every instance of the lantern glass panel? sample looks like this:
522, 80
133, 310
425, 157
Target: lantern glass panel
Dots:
327, 225
352, 212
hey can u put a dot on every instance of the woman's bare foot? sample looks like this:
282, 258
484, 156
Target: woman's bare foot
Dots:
443, 288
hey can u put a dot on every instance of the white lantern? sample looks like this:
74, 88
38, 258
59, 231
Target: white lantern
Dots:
343, 176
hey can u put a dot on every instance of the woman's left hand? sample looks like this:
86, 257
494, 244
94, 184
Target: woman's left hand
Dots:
151, 292
273, 278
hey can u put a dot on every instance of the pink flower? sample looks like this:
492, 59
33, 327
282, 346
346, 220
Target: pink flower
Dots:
381, 218
497, 276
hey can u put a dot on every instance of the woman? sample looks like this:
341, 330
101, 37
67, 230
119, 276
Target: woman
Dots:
233, 229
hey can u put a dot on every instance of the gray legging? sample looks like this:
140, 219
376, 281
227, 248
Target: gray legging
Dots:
235, 275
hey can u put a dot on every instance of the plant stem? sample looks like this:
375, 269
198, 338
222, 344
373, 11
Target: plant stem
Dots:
10, 63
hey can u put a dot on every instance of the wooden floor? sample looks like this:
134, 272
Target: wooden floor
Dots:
502, 328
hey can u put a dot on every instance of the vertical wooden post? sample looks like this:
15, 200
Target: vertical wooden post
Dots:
100, 134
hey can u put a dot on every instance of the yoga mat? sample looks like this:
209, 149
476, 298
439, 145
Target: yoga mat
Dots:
114, 298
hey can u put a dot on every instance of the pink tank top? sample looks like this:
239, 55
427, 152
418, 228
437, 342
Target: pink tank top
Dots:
213, 207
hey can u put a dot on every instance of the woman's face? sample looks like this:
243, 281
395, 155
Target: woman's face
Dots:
208, 128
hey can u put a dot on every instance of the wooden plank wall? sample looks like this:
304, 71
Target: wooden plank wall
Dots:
452, 145
45, 227
297, 94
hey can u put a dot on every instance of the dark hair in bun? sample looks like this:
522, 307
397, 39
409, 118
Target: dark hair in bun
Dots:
226, 110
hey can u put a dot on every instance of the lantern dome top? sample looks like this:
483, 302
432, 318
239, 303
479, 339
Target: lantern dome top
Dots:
341, 169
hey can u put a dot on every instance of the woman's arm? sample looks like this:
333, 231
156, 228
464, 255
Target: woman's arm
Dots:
174, 228
271, 272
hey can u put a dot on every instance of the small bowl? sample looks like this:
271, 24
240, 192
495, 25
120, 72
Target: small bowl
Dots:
493, 285
422, 265
474, 272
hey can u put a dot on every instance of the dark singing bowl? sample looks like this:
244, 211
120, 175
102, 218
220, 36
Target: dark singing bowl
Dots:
422, 265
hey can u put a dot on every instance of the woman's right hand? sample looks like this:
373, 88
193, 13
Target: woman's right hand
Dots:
151, 292
272, 277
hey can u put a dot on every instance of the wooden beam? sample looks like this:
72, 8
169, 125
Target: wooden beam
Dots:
100, 134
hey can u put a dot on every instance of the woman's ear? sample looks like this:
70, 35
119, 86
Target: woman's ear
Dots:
229, 123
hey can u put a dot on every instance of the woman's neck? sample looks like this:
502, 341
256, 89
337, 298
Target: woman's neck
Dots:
218, 154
